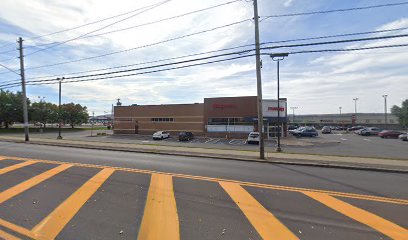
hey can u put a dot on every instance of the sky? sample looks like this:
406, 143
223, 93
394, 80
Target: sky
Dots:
312, 82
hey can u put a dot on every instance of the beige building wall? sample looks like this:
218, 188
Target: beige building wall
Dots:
148, 119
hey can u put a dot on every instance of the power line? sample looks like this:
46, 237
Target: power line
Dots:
335, 10
221, 60
98, 29
225, 49
349, 49
11, 70
339, 41
139, 47
157, 21
133, 74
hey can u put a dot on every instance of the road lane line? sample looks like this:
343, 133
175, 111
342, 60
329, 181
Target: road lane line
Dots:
267, 225
2, 158
6, 236
52, 225
378, 223
160, 218
211, 179
19, 188
16, 228
15, 167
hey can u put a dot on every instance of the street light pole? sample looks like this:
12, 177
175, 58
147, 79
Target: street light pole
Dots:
278, 57
59, 110
385, 107
93, 119
355, 109
340, 111
293, 114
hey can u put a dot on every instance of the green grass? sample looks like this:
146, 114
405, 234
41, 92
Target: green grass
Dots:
21, 130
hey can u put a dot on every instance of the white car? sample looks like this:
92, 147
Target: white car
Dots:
161, 135
253, 137
403, 137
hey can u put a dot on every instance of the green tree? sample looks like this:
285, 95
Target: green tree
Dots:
74, 114
44, 112
11, 108
401, 113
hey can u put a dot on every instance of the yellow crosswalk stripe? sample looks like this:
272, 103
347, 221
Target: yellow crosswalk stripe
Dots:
15, 167
2, 158
16, 228
19, 188
52, 225
265, 223
6, 236
378, 223
160, 219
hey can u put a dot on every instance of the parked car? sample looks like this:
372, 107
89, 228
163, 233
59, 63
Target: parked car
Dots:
389, 134
185, 136
358, 131
306, 132
297, 129
371, 131
160, 135
326, 129
352, 129
253, 138
403, 137
292, 127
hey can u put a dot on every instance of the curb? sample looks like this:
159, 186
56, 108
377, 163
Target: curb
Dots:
309, 163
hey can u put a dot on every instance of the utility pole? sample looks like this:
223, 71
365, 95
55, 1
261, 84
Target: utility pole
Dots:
385, 107
59, 110
259, 82
93, 119
23, 86
355, 109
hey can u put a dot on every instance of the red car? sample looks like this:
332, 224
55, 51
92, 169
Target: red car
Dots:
389, 134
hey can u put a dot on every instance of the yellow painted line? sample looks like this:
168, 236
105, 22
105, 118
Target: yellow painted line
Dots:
160, 219
15, 167
52, 225
19, 188
378, 223
2, 158
16, 228
265, 223
242, 183
6, 236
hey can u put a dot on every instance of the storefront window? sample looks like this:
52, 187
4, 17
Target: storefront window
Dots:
228, 121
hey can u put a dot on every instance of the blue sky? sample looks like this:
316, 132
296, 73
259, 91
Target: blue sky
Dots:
315, 83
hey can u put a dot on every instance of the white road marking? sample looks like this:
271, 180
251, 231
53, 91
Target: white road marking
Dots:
368, 140
344, 139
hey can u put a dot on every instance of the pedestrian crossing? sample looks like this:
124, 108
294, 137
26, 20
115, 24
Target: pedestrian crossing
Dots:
161, 215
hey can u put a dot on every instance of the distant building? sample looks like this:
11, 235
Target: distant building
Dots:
365, 119
231, 117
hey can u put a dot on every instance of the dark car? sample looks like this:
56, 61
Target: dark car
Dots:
185, 136
305, 132
389, 134
326, 129
370, 131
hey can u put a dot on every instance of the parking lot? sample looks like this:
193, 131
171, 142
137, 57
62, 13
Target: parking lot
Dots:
336, 143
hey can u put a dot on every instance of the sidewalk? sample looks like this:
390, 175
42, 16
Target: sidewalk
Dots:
379, 164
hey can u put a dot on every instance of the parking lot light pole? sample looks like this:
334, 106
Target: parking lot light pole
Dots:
278, 57
355, 110
385, 107
293, 114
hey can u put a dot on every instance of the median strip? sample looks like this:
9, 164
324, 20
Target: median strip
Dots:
265, 223
378, 223
160, 218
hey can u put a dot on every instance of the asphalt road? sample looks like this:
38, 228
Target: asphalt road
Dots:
325, 144
67, 193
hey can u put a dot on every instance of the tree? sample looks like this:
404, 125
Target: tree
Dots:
74, 114
401, 113
44, 112
11, 108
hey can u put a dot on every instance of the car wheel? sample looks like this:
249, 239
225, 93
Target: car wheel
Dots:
161, 137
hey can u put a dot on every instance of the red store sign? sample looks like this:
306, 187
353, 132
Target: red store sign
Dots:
276, 109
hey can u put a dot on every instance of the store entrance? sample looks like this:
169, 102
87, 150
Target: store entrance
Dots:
273, 130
